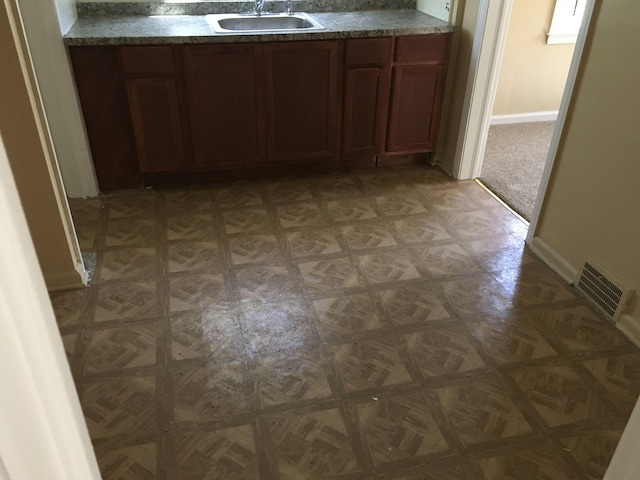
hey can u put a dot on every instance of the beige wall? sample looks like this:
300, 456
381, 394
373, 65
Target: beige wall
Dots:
592, 205
32, 160
533, 74
465, 20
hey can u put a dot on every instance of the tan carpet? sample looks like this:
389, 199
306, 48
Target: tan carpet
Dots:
514, 160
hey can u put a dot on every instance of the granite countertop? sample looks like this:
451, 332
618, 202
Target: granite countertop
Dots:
175, 29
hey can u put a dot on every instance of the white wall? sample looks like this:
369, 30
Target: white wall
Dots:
62, 109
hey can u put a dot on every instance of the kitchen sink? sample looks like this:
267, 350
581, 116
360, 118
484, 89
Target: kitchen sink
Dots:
264, 23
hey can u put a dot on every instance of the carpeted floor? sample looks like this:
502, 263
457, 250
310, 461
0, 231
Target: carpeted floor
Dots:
514, 160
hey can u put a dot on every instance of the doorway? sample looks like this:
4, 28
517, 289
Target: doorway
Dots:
489, 45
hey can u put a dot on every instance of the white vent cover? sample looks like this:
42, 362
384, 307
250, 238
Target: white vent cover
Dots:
602, 288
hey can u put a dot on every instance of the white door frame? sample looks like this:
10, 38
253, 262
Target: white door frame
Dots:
482, 83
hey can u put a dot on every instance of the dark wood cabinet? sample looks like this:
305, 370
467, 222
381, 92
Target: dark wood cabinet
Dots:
172, 113
302, 100
366, 93
226, 105
106, 115
417, 93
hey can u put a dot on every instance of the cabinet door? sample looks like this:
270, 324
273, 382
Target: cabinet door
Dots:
106, 116
416, 100
225, 97
365, 99
155, 115
302, 100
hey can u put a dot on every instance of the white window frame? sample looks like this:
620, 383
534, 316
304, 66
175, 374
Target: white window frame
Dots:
566, 22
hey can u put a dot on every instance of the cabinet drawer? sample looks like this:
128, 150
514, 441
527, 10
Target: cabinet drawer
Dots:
367, 51
146, 61
423, 49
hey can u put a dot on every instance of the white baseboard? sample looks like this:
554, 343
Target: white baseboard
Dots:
630, 326
66, 280
550, 116
554, 260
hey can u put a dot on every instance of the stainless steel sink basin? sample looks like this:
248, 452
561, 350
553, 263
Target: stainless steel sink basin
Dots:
265, 23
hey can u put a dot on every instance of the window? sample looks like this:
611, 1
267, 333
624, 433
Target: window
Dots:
567, 19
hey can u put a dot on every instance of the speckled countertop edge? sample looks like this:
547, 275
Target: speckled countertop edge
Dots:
167, 29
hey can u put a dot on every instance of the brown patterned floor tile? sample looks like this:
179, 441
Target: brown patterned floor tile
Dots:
87, 234
370, 363
289, 191
191, 226
127, 232
297, 215
478, 295
501, 252
255, 249
291, 376
227, 454
512, 339
456, 469
535, 285
446, 260
247, 220
421, 228
329, 275
368, 235
400, 204
560, 396
470, 224
265, 283
239, 196
578, 328
400, 427
346, 315
181, 201
336, 186
128, 263
311, 445
351, 210
212, 334
382, 181
529, 463
193, 257
620, 376
276, 327
137, 462
68, 306
197, 292
449, 200
443, 350
125, 405
313, 242
388, 266
119, 348
127, 301
132, 206
86, 210
593, 451
210, 391
414, 304
430, 178
482, 410
69, 342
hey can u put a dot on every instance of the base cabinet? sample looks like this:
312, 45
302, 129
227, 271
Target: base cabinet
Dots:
168, 111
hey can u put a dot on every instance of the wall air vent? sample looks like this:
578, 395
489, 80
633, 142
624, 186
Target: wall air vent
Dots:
606, 293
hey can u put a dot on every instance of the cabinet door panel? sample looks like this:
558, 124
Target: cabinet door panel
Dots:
155, 116
106, 116
302, 100
416, 99
365, 99
225, 98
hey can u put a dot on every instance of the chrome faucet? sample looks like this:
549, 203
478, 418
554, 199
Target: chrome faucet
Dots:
258, 7
289, 7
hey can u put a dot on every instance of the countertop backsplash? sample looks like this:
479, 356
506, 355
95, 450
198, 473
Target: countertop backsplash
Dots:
100, 8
